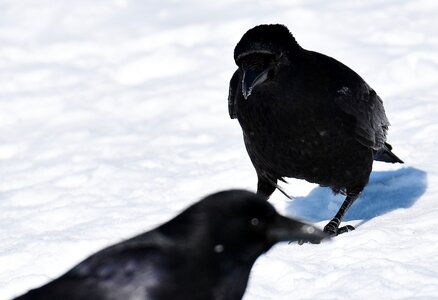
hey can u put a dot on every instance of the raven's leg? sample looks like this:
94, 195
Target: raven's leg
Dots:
332, 227
266, 187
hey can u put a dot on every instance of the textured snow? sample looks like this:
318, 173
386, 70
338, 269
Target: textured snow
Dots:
113, 118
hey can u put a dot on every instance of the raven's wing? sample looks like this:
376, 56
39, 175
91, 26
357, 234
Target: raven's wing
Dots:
234, 88
362, 102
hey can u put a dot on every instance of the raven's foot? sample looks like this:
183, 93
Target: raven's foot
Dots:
333, 228
345, 229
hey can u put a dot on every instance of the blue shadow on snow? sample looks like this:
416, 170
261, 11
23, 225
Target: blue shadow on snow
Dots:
386, 191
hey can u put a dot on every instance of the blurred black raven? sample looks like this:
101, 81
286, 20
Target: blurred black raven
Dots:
206, 252
306, 115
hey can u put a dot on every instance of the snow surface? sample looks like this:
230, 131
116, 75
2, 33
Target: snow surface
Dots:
113, 118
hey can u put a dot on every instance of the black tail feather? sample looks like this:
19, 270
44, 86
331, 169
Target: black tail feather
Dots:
385, 154
278, 187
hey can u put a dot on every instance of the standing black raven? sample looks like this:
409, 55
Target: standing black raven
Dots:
306, 115
206, 252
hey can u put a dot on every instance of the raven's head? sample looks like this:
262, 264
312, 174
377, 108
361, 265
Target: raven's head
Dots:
238, 225
260, 51
221, 236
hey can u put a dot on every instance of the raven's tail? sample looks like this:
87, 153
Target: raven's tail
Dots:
277, 186
384, 154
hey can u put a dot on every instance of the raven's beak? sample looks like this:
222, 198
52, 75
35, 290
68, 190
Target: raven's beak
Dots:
285, 229
251, 79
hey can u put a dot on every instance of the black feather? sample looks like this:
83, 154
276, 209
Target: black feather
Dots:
206, 252
305, 115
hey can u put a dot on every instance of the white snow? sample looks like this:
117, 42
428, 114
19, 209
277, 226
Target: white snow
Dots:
113, 118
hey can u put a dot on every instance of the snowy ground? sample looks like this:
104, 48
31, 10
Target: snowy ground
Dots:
113, 118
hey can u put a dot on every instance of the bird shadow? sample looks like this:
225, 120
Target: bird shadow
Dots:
386, 191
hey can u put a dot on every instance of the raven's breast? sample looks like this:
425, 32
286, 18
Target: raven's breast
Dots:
320, 149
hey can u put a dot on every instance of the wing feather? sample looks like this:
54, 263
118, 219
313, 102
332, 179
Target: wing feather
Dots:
366, 106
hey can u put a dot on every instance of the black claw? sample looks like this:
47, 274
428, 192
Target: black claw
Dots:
345, 229
333, 229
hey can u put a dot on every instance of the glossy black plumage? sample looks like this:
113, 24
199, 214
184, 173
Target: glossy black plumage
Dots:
305, 115
206, 252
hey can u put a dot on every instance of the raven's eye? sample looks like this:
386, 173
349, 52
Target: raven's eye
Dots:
255, 221
219, 248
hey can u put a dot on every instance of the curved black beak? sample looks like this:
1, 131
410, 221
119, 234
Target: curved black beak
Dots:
286, 229
251, 79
